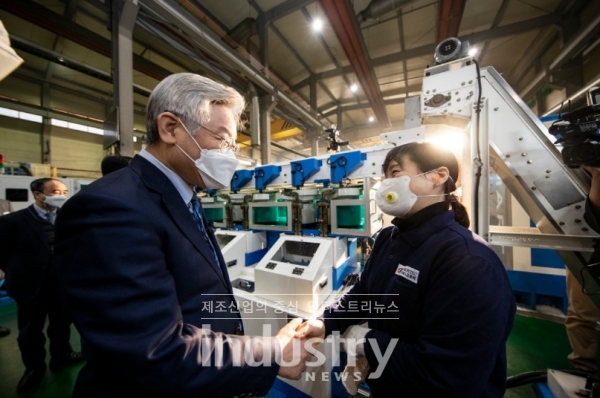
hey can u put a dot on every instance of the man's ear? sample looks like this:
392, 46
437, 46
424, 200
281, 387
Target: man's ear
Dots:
166, 123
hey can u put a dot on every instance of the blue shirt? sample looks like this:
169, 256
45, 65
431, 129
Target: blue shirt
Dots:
43, 213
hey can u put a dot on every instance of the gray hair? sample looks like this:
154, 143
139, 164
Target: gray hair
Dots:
191, 97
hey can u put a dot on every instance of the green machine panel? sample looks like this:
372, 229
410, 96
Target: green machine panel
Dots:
275, 216
215, 214
351, 217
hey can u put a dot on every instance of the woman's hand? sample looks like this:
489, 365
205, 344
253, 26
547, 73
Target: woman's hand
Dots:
313, 328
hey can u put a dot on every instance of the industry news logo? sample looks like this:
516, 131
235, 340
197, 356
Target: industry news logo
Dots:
265, 351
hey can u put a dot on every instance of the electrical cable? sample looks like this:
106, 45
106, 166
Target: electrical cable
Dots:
541, 376
477, 160
588, 267
341, 161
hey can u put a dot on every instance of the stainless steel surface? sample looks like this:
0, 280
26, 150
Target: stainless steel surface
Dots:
531, 237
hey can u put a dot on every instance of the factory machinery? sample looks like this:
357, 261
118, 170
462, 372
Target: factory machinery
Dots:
294, 234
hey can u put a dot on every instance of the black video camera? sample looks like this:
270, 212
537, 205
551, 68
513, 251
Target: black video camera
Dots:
332, 136
579, 134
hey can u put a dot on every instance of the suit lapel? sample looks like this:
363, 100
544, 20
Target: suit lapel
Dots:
155, 180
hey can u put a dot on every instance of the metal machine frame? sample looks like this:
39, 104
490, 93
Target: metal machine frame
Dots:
512, 139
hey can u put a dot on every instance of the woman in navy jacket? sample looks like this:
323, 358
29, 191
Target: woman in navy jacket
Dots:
432, 292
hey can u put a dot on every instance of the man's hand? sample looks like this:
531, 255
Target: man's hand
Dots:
293, 351
595, 171
313, 328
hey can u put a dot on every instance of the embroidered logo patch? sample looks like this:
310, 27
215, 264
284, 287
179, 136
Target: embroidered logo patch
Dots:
407, 272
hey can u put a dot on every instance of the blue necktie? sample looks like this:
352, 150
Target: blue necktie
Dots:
197, 214
51, 216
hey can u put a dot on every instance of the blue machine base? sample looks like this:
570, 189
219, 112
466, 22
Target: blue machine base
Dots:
348, 267
531, 289
542, 390
254, 257
6, 300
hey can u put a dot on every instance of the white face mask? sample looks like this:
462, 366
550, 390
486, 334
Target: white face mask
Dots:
56, 200
394, 196
215, 167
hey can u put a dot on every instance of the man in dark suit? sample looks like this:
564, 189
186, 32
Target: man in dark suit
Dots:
5, 208
26, 244
145, 281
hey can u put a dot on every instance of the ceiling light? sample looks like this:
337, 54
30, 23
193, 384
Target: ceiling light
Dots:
353, 88
244, 162
371, 119
317, 24
472, 52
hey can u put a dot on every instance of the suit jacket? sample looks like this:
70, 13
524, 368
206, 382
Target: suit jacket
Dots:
25, 253
140, 282
5, 206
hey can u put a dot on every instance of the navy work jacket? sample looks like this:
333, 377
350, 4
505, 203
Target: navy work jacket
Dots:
443, 294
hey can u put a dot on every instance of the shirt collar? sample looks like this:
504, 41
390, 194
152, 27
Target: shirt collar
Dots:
43, 213
185, 191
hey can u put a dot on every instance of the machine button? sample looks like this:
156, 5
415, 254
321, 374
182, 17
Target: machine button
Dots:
298, 271
243, 284
271, 265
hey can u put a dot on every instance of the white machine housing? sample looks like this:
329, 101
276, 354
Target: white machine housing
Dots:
350, 197
236, 244
279, 276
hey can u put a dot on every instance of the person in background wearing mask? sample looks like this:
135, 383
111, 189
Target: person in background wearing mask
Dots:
26, 244
5, 208
143, 277
449, 308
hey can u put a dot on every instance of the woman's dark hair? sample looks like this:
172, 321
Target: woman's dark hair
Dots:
429, 157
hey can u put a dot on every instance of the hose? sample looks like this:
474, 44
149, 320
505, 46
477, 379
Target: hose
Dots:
541, 376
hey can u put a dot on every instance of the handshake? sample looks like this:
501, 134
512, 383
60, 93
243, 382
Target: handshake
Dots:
298, 339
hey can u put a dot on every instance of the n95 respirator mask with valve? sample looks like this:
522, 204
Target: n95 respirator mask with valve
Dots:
394, 196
